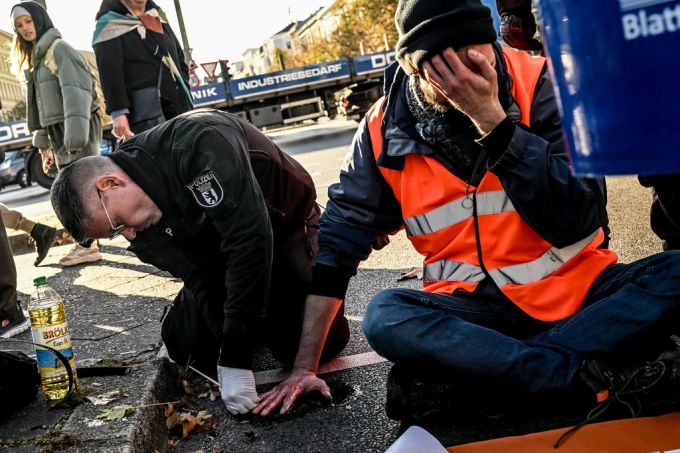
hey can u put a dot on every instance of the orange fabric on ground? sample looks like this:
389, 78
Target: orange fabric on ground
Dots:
634, 435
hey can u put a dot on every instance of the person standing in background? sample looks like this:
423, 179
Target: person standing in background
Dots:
143, 73
61, 105
518, 24
12, 319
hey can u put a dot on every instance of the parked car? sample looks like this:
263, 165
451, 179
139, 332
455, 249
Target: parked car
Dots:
13, 169
15, 140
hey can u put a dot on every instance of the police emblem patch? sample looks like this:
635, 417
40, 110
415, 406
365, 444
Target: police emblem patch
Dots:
206, 190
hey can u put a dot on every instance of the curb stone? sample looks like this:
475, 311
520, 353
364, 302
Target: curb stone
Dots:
145, 430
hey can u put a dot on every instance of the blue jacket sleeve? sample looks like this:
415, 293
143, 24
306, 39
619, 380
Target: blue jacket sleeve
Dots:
361, 212
536, 173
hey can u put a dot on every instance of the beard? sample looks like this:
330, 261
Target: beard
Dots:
435, 100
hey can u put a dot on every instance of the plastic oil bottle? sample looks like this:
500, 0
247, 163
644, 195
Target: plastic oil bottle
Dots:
49, 328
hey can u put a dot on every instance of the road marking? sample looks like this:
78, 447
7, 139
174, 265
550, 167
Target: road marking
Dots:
338, 364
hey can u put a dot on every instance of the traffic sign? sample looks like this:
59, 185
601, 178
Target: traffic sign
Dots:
209, 69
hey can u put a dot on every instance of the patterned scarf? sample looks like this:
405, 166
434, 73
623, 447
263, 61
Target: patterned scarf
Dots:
451, 132
112, 25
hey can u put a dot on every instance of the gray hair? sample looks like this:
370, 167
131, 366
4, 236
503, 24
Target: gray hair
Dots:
71, 189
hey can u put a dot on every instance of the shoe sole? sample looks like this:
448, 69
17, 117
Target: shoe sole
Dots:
17, 329
80, 261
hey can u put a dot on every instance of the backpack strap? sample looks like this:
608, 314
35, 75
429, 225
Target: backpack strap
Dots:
48, 59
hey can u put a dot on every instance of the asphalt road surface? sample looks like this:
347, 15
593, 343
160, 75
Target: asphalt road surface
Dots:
356, 420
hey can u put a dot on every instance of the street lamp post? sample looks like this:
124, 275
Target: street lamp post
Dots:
185, 41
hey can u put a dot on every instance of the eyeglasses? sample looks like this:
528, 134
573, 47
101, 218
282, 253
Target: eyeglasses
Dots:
115, 230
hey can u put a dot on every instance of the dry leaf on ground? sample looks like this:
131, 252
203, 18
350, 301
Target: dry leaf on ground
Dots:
106, 398
116, 413
416, 272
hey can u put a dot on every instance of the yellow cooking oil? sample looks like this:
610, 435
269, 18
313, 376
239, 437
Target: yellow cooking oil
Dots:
50, 328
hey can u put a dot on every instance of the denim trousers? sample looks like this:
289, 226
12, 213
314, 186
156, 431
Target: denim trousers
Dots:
629, 310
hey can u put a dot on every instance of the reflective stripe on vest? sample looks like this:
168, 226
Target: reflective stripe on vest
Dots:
494, 202
546, 282
520, 274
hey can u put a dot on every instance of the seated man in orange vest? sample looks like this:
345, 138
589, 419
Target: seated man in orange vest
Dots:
521, 295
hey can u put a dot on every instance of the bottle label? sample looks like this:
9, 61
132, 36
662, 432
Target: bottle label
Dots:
57, 337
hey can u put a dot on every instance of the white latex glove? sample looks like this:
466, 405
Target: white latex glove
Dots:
237, 388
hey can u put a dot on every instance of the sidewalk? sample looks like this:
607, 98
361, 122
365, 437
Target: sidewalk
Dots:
113, 308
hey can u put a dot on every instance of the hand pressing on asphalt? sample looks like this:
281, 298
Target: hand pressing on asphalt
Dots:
287, 392
468, 81
237, 389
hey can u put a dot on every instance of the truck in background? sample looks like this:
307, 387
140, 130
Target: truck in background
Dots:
267, 100
293, 95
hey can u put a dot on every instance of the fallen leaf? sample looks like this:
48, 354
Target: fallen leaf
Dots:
172, 421
206, 420
173, 442
416, 272
203, 395
189, 422
106, 398
116, 413
169, 409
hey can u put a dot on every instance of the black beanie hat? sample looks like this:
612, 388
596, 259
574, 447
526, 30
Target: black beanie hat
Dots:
41, 19
427, 27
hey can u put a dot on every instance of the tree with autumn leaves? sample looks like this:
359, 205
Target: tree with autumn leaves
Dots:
365, 26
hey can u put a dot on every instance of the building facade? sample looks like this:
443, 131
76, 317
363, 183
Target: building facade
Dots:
11, 92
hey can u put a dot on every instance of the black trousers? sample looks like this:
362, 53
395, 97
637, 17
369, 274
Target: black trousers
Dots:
665, 209
8, 278
192, 334
665, 218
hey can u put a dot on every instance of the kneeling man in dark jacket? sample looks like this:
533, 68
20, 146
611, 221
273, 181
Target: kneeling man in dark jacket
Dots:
210, 199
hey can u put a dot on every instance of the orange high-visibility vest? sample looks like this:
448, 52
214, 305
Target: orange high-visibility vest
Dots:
546, 282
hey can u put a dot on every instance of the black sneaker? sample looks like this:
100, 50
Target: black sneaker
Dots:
650, 389
12, 327
413, 396
43, 236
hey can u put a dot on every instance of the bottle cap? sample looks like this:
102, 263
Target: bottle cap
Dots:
40, 281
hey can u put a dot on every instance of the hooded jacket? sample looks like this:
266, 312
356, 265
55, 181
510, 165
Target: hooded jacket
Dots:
60, 88
227, 194
128, 63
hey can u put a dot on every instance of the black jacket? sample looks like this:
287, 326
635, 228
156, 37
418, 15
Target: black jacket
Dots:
531, 163
128, 63
227, 193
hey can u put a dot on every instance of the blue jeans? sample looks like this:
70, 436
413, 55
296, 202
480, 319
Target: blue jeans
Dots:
629, 308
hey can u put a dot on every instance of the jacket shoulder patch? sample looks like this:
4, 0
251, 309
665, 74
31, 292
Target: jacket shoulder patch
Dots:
206, 190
